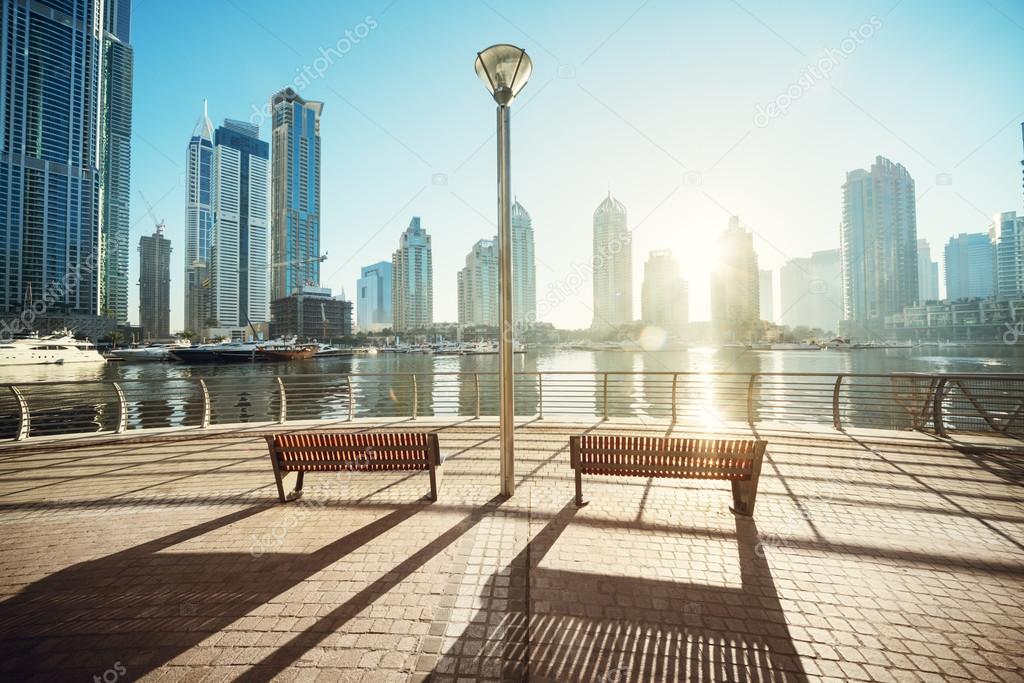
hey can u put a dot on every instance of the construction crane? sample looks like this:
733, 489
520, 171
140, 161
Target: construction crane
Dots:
299, 262
158, 224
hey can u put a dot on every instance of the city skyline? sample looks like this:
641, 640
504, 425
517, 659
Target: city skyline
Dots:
724, 155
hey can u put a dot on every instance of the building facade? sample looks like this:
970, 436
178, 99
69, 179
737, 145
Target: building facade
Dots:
811, 292
878, 239
155, 284
373, 300
199, 225
766, 295
311, 313
969, 261
524, 268
1008, 237
478, 285
295, 141
115, 159
239, 295
664, 295
927, 273
974, 320
613, 267
50, 141
412, 280
735, 286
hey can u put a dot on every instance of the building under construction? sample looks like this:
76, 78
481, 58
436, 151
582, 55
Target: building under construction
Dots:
311, 313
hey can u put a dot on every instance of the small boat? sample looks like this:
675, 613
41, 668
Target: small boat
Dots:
272, 353
152, 353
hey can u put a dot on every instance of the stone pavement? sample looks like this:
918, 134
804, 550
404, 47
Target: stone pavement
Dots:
872, 555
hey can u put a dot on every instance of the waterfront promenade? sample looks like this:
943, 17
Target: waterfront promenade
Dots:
164, 555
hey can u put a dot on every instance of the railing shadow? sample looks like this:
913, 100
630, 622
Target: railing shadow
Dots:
155, 603
543, 624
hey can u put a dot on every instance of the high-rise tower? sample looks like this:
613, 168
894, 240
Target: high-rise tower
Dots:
199, 225
879, 246
412, 284
613, 267
295, 191
524, 268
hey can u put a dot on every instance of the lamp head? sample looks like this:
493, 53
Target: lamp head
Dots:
504, 70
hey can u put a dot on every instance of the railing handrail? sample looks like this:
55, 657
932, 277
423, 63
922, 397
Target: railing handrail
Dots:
1009, 376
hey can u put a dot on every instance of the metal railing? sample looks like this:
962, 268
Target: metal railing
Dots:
939, 403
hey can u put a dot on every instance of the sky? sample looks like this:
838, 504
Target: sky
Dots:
687, 112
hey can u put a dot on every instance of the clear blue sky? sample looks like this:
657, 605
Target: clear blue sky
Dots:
655, 100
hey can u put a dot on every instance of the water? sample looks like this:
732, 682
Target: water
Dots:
320, 389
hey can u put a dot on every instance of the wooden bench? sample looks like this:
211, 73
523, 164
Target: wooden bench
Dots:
735, 460
352, 452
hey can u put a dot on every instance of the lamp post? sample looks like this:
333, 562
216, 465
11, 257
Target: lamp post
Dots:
504, 69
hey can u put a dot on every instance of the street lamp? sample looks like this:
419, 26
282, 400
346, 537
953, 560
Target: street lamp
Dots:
504, 69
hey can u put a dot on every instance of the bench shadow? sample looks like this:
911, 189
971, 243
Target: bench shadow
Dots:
565, 625
146, 605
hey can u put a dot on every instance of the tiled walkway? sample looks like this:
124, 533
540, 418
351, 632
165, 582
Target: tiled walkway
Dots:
871, 556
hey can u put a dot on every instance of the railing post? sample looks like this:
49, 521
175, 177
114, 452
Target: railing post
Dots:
605, 395
476, 383
282, 415
206, 404
837, 421
351, 403
750, 399
25, 418
122, 410
540, 396
415, 397
940, 427
675, 382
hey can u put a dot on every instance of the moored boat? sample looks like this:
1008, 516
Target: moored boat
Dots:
56, 349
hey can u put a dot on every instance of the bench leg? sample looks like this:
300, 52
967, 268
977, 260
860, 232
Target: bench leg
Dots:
743, 495
433, 483
579, 489
280, 485
298, 482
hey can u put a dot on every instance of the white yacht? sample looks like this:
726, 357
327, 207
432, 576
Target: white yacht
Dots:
56, 349
152, 352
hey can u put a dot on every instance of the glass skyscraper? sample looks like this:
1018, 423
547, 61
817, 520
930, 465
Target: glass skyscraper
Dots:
613, 267
155, 284
295, 142
969, 267
412, 280
524, 268
115, 158
199, 225
241, 225
50, 54
477, 285
373, 311
878, 239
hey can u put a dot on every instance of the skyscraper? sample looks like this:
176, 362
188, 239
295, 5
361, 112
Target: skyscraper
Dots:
295, 150
478, 285
51, 56
613, 267
412, 280
735, 286
241, 217
199, 224
927, 273
1009, 245
879, 246
811, 292
373, 307
155, 284
115, 158
765, 295
524, 269
969, 267
664, 295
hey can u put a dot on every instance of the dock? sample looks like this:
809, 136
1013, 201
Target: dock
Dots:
872, 555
